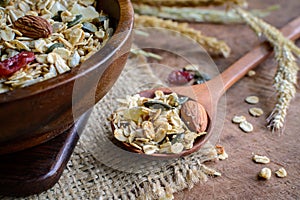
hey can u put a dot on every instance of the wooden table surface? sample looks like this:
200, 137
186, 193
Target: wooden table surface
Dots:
239, 173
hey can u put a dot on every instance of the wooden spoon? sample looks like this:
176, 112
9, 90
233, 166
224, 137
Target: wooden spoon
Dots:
209, 93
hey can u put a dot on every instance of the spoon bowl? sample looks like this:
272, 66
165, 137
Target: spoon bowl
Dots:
208, 94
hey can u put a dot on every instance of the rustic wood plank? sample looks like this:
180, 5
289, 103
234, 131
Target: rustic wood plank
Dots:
239, 173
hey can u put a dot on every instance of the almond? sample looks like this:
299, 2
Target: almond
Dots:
194, 116
33, 26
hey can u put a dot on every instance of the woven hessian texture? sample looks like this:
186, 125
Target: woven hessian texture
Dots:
100, 170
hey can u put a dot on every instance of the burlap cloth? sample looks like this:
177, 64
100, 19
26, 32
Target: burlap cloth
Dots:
100, 170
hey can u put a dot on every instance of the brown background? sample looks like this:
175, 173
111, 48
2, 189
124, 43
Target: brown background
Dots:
239, 173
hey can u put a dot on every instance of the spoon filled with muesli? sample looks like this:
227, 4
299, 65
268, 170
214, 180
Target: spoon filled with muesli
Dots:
177, 121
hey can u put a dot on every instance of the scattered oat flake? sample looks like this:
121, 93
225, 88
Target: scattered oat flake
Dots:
265, 173
238, 119
251, 73
246, 126
261, 159
252, 99
281, 173
256, 112
177, 148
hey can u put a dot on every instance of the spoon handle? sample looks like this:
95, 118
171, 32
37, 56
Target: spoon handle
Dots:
254, 57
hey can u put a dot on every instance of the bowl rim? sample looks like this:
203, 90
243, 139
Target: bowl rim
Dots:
119, 38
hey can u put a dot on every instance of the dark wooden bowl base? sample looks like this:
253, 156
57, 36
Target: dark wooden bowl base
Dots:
37, 169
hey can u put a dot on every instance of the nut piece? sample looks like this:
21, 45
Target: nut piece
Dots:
33, 26
246, 126
281, 173
261, 159
222, 155
194, 116
252, 99
256, 112
265, 173
238, 119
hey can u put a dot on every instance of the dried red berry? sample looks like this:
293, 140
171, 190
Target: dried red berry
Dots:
180, 77
15, 63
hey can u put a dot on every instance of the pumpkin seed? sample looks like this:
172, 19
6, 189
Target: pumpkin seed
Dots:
58, 16
182, 100
100, 20
177, 138
53, 46
89, 27
157, 105
75, 21
200, 77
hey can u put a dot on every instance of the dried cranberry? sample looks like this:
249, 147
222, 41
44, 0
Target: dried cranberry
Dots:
187, 75
180, 77
13, 64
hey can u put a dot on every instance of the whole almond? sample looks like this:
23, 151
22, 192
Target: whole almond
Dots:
194, 116
33, 26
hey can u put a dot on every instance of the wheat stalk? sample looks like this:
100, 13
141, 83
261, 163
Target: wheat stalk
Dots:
285, 79
189, 2
197, 14
211, 44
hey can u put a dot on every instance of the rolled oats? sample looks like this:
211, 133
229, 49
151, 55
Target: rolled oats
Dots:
256, 112
265, 173
238, 119
70, 38
281, 173
246, 126
261, 159
252, 99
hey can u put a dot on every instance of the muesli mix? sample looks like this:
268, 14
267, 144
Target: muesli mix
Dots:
41, 39
156, 125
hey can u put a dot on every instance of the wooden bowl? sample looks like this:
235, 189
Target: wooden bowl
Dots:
32, 115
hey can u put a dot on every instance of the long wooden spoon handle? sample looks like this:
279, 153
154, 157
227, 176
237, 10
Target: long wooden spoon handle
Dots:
254, 57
